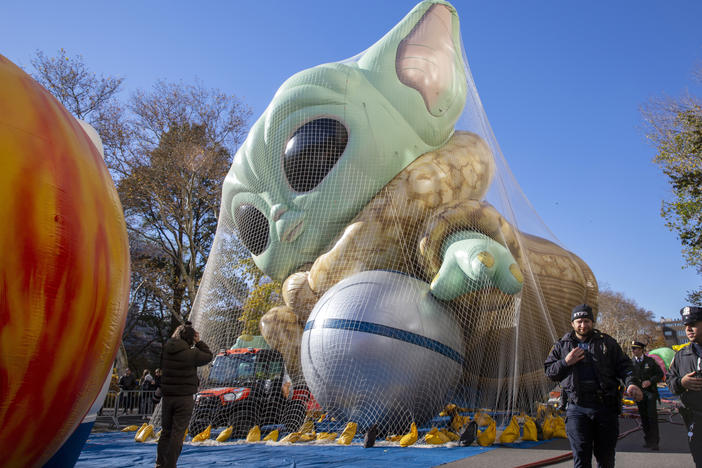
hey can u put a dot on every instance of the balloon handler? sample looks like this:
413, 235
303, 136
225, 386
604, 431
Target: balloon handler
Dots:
589, 365
685, 379
647, 370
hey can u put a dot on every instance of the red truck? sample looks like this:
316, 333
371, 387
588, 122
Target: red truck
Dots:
245, 387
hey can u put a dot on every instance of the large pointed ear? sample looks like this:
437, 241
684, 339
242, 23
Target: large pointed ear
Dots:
418, 66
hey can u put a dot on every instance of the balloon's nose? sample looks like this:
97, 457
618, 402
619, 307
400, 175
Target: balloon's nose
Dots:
288, 223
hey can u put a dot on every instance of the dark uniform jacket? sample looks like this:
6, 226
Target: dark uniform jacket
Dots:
684, 362
179, 366
609, 363
648, 370
127, 382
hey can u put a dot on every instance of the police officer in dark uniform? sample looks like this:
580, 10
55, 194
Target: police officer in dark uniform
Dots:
589, 366
685, 379
649, 373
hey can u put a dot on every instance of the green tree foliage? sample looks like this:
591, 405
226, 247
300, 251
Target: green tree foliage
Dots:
264, 295
169, 179
623, 319
674, 127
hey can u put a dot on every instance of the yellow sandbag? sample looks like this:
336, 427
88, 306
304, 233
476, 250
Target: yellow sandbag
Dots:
394, 438
547, 427
158, 434
487, 437
308, 436
432, 437
458, 421
307, 426
272, 436
321, 418
204, 435
254, 434
443, 436
132, 428
511, 432
186, 434
144, 434
452, 436
530, 431
411, 437
225, 434
139, 431
483, 419
326, 435
291, 438
541, 411
449, 410
559, 430
347, 435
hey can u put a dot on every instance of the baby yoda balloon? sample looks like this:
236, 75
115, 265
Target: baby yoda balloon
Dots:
357, 166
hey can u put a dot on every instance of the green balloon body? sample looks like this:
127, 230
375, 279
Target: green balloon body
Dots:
666, 354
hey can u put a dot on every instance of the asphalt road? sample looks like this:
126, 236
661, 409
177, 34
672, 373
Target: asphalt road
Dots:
673, 451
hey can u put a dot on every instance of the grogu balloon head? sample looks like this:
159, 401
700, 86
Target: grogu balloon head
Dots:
336, 134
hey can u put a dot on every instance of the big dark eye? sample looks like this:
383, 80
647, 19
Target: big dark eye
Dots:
253, 228
312, 151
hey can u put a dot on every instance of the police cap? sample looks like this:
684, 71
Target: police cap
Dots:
691, 314
637, 344
582, 311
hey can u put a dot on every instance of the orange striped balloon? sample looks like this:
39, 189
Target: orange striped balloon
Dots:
64, 271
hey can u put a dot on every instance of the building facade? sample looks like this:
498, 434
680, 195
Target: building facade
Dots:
673, 331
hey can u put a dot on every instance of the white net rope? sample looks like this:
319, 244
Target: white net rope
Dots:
415, 272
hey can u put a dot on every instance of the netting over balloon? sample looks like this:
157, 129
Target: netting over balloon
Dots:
414, 271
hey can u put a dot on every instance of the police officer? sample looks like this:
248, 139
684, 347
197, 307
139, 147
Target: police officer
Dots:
685, 379
589, 365
647, 370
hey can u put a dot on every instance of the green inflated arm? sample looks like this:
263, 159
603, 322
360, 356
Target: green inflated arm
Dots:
472, 261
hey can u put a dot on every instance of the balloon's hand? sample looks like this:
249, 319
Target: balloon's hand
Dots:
472, 262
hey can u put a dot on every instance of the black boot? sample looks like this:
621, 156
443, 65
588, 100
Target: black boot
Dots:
469, 434
371, 434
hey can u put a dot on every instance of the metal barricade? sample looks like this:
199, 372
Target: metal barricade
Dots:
128, 404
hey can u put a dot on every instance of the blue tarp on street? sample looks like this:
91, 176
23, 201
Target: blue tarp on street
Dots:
117, 449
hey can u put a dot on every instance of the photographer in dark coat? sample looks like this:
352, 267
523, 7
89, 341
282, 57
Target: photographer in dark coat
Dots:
182, 354
685, 379
589, 366
647, 370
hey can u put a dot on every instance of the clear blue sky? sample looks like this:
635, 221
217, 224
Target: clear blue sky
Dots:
561, 82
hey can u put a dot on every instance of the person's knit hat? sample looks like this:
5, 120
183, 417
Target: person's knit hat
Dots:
691, 314
582, 311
